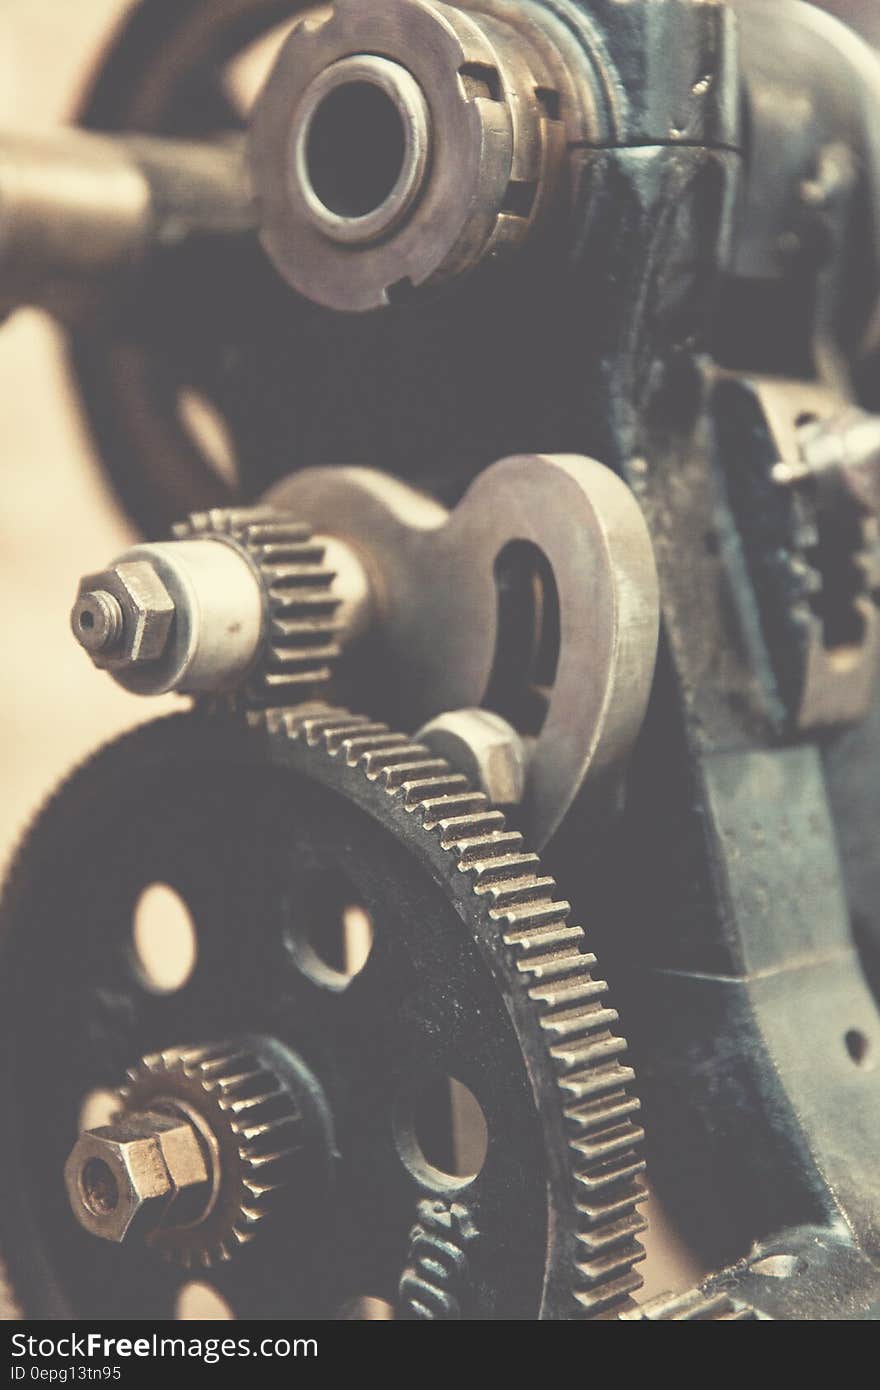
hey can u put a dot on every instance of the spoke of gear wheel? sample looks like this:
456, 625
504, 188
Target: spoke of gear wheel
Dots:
516, 901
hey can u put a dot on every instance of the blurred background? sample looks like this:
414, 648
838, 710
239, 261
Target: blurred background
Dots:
58, 518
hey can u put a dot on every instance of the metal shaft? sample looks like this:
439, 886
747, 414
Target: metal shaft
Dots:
79, 210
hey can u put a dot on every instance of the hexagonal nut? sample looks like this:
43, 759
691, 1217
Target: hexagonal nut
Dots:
483, 746
123, 1179
147, 611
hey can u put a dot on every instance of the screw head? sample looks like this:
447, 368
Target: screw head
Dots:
123, 615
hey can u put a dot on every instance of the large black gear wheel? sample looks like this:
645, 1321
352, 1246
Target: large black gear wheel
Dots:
474, 973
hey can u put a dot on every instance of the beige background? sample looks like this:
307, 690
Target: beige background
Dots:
57, 519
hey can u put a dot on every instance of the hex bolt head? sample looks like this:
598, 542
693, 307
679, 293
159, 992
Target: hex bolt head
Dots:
485, 748
126, 1179
123, 616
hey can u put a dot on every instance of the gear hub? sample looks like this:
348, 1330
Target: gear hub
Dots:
380, 176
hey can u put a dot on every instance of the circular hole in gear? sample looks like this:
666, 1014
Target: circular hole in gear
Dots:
858, 1046
165, 942
196, 1301
355, 149
100, 1190
332, 936
97, 1108
366, 1309
442, 1133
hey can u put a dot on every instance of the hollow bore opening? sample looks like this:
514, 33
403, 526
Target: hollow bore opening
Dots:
355, 149
100, 1189
86, 620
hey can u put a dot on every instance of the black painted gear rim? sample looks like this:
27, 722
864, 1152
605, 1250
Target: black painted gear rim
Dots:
579, 1088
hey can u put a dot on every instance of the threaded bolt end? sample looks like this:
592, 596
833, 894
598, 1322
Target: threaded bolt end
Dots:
96, 620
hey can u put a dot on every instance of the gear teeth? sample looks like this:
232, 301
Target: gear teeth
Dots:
605, 1296
697, 1305
587, 1118
580, 1021
410, 768
558, 997
602, 1213
300, 644
479, 849
530, 915
535, 940
503, 863
555, 965
509, 891
612, 1234
442, 810
435, 1279
548, 953
242, 1101
584, 1085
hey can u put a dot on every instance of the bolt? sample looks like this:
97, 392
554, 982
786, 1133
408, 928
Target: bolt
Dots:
96, 620
145, 1170
484, 747
123, 615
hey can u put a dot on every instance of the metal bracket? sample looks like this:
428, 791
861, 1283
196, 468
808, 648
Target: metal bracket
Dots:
435, 579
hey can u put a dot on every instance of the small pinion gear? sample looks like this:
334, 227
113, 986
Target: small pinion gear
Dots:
299, 646
252, 1119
